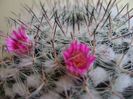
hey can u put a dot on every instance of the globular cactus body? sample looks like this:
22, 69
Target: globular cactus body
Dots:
77, 49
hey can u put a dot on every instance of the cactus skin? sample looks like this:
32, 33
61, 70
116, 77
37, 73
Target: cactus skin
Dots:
52, 27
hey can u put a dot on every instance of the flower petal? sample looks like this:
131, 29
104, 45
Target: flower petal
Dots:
66, 55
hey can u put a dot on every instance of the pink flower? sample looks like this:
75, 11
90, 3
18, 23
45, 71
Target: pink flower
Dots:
77, 58
18, 42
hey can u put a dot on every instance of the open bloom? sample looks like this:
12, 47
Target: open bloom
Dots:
18, 42
77, 58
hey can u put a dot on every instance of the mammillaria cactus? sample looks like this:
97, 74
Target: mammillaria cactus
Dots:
71, 49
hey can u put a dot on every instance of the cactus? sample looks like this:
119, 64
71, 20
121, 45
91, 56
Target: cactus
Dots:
43, 72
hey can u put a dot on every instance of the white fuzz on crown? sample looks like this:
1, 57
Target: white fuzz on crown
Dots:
49, 65
20, 88
8, 91
8, 72
105, 53
33, 81
50, 95
123, 81
91, 95
114, 97
98, 75
65, 83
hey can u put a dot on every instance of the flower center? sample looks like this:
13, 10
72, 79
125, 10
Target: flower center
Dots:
78, 59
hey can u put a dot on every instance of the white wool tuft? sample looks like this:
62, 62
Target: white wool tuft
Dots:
91, 95
106, 53
65, 83
26, 62
124, 60
20, 88
117, 41
98, 75
8, 72
114, 12
128, 40
128, 57
49, 64
8, 91
50, 95
130, 53
114, 97
131, 22
33, 81
122, 82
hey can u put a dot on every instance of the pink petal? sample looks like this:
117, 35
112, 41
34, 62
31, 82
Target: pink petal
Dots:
87, 49
15, 35
22, 33
10, 49
70, 50
84, 48
71, 69
91, 59
74, 45
66, 55
81, 72
9, 43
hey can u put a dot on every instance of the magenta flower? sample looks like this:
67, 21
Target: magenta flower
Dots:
77, 58
19, 42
